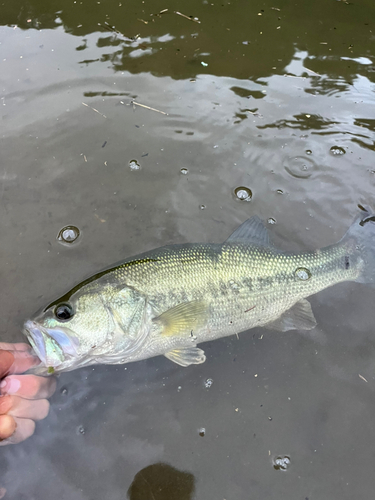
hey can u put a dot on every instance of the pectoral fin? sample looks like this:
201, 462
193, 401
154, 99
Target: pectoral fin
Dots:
299, 317
184, 318
186, 356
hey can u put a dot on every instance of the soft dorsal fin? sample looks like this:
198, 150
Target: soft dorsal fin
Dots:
251, 232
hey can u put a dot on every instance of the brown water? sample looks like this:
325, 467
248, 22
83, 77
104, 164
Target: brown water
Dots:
277, 98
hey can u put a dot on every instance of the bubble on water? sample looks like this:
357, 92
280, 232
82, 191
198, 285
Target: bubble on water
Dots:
202, 207
179, 388
134, 165
68, 234
271, 220
80, 430
302, 273
243, 193
281, 463
202, 431
299, 167
279, 191
337, 151
64, 391
308, 152
208, 383
184, 171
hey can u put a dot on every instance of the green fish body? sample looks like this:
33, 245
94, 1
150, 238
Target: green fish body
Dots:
168, 300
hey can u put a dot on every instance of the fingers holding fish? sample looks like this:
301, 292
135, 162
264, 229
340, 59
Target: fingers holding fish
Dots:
22, 397
7, 427
24, 408
20, 346
6, 361
16, 358
14, 430
28, 386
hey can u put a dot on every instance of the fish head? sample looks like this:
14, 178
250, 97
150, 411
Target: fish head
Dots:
80, 328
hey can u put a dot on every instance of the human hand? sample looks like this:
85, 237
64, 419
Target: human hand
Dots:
23, 397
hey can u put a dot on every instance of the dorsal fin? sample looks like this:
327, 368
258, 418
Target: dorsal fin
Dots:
251, 232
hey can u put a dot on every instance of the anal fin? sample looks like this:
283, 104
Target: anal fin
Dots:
298, 317
186, 356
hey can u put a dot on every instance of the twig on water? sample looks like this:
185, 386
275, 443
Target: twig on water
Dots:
148, 107
311, 71
96, 111
194, 19
158, 14
112, 29
97, 216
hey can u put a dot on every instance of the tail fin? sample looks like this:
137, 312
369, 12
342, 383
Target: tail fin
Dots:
360, 240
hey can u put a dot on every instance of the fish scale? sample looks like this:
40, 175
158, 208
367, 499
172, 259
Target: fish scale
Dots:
264, 278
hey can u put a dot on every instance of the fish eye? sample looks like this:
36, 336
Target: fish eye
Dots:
63, 312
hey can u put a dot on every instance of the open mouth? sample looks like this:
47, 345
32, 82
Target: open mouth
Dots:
52, 346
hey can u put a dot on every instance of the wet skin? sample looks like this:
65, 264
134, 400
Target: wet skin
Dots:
23, 398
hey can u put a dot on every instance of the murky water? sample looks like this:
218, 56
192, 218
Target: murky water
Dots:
124, 121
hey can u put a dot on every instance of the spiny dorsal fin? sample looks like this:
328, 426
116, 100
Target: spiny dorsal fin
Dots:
186, 356
251, 232
299, 317
184, 318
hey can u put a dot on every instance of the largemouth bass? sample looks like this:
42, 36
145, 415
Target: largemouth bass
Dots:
168, 300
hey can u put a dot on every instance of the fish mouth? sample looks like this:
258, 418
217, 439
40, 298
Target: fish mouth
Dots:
53, 346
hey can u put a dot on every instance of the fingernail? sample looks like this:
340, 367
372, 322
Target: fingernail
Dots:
10, 385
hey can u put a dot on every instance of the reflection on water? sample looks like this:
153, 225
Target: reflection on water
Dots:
162, 482
283, 109
302, 122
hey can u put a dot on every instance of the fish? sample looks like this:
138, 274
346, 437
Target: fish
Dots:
168, 300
